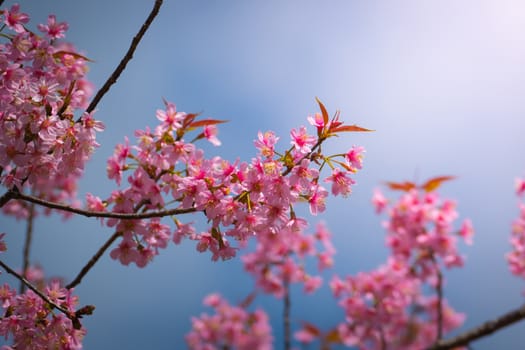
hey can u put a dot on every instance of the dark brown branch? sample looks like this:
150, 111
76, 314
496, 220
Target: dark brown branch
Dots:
34, 289
93, 261
482, 330
439, 306
27, 244
286, 316
6, 197
97, 214
129, 55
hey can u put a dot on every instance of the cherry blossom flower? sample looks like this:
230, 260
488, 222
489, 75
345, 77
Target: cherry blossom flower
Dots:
53, 29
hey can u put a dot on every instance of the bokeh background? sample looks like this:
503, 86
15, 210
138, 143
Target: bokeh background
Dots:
441, 82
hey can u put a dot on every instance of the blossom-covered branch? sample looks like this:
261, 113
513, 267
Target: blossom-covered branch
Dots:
14, 194
34, 289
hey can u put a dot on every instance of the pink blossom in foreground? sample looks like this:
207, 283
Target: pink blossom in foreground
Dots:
32, 325
301, 141
241, 200
43, 145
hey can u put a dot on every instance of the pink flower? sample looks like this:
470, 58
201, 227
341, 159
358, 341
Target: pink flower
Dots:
341, 183
170, 118
318, 199
467, 231
265, 143
379, 201
355, 157
15, 19
53, 29
302, 141
210, 132
520, 186
317, 120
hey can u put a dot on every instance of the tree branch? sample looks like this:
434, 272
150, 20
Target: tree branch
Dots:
27, 244
439, 306
6, 197
99, 214
482, 330
286, 315
34, 289
93, 261
129, 55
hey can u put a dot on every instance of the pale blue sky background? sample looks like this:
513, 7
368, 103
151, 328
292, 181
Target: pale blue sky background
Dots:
441, 81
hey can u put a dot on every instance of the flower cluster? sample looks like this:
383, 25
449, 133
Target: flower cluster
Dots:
239, 199
31, 323
230, 327
390, 306
516, 257
387, 306
42, 147
420, 231
278, 260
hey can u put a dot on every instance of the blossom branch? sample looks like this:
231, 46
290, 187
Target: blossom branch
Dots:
34, 289
129, 55
99, 214
482, 330
93, 261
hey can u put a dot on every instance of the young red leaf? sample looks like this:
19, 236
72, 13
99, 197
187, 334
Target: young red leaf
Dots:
312, 329
206, 122
435, 182
349, 128
323, 111
333, 337
74, 54
401, 186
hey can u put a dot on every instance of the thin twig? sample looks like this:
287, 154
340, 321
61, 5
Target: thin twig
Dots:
482, 330
97, 214
34, 289
309, 154
27, 245
129, 55
286, 315
99, 253
93, 261
439, 306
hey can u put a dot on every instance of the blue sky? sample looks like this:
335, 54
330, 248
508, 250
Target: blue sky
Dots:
441, 82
